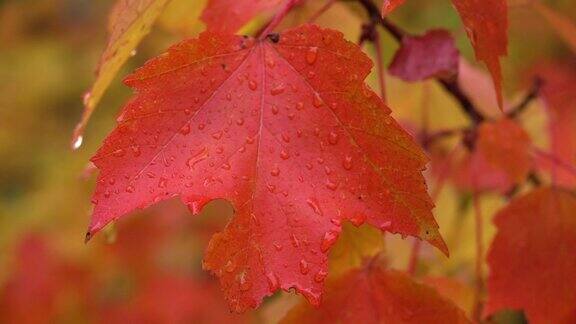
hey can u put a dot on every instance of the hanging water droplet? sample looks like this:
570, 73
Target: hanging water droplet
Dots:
273, 283
77, 142
328, 240
311, 55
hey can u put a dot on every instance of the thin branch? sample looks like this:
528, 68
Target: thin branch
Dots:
451, 87
531, 95
288, 5
321, 11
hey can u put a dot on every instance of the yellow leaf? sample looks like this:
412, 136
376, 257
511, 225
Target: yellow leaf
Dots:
129, 22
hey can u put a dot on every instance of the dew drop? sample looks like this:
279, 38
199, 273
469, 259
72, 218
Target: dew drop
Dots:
162, 183
328, 240
273, 283
304, 269
275, 171
331, 185
130, 189
333, 138
284, 155
274, 109
244, 283
229, 266
358, 219
185, 130
277, 246
347, 162
226, 166
386, 225
240, 121
311, 55
201, 126
313, 203
317, 100
119, 152
277, 89
252, 85
320, 276
135, 150
77, 142
217, 135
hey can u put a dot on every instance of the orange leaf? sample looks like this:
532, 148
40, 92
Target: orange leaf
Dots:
532, 263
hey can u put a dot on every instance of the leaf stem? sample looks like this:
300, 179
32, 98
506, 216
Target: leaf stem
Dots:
288, 5
321, 11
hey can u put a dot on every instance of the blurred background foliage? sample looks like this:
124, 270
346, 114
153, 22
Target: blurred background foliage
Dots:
48, 52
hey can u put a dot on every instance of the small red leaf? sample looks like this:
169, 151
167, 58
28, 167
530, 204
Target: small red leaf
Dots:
486, 23
230, 15
506, 146
532, 263
374, 295
286, 130
430, 55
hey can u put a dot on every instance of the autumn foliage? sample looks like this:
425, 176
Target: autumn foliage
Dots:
312, 173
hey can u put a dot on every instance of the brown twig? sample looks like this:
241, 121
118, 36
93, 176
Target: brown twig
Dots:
451, 87
531, 95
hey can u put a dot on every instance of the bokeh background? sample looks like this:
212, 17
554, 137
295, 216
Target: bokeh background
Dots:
148, 266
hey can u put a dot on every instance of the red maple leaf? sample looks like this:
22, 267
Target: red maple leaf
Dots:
284, 128
374, 295
532, 263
